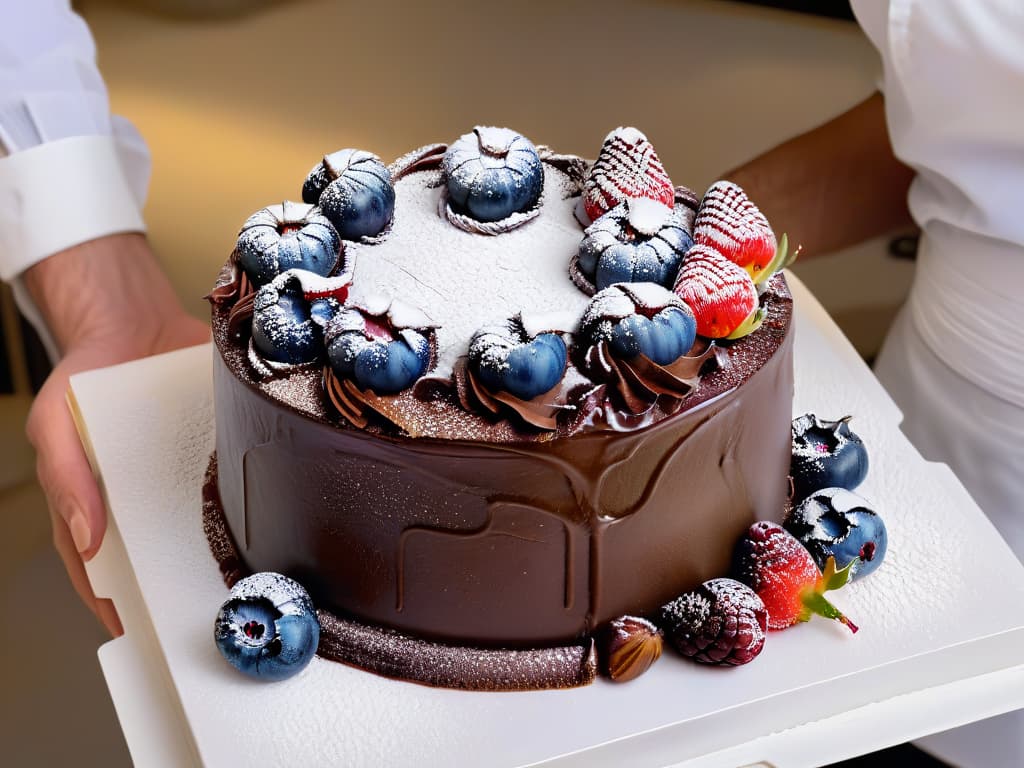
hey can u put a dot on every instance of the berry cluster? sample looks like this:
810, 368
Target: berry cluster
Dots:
779, 575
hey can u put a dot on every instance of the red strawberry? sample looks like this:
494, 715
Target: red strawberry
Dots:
722, 295
731, 224
626, 167
783, 574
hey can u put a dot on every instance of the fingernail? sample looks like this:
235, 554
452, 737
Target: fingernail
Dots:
80, 533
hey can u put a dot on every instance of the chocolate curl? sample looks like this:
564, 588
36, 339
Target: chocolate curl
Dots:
541, 412
240, 316
686, 197
686, 205
574, 167
352, 409
232, 282
425, 158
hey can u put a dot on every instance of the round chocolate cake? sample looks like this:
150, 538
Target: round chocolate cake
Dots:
494, 397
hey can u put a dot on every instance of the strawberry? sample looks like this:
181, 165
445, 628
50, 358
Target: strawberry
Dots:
783, 574
722, 295
730, 223
626, 167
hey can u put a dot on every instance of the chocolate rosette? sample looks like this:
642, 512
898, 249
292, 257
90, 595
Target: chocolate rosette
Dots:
510, 370
640, 339
278, 238
376, 351
638, 241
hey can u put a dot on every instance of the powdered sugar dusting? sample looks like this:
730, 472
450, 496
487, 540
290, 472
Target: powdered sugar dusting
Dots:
463, 281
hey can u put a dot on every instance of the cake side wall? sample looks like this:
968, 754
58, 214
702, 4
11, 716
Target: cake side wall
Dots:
501, 545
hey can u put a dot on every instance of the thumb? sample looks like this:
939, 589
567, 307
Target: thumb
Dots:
63, 469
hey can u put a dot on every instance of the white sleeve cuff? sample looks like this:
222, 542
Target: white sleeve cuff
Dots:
62, 193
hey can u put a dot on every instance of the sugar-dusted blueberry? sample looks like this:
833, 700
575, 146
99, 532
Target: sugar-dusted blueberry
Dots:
639, 241
507, 358
354, 190
663, 338
826, 454
287, 236
640, 319
493, 173
834, 522
370, 351
267, 628
282, 328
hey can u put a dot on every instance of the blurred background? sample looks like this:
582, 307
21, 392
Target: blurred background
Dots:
238, 100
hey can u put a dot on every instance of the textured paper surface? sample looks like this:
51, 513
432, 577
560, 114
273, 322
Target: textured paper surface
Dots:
947, 604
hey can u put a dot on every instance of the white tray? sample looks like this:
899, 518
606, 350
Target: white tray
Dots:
941, 640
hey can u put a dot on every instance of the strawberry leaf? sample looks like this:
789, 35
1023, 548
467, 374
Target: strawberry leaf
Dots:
751, 324
782, 259
833, 579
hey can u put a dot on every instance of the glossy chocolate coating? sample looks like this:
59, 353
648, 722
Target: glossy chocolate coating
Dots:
518, 544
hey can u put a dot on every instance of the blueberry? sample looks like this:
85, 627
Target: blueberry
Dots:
638, 241
282, 329
826, 454
267, 628
373, 355
354, 191
493, 173
837, 523
663, 339
639, 318
507, 359
287, 236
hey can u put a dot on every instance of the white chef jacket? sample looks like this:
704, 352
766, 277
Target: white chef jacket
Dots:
69, 171
953, 76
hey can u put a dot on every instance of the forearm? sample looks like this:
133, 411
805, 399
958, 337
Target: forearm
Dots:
834, 186
103, 287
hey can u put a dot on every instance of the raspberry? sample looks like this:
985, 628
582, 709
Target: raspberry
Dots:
720, 622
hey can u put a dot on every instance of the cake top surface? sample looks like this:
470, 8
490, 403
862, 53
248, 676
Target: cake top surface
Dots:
464, 281
490, 289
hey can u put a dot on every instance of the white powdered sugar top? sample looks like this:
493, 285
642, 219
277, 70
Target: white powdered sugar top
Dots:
464, 281
647, 216
628, 134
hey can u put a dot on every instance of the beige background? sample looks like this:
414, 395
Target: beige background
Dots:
236, 111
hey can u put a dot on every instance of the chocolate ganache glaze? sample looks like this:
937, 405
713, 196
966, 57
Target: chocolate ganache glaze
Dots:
495, 535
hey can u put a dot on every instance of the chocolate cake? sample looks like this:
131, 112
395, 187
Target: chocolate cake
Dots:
456, 400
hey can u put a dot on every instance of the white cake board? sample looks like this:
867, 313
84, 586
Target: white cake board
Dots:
941, 640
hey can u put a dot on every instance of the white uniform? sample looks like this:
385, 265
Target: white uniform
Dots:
69, 171
954, 360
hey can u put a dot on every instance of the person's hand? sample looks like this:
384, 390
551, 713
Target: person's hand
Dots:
106, 302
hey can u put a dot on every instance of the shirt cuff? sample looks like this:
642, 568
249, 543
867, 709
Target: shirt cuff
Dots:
62, 193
